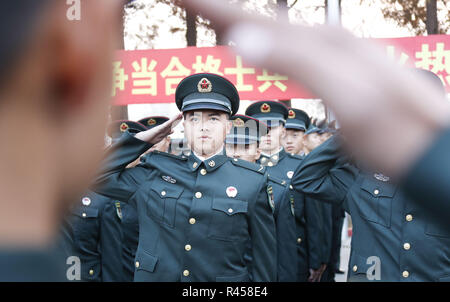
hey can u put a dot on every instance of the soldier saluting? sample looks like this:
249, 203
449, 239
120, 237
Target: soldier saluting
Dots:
196, 213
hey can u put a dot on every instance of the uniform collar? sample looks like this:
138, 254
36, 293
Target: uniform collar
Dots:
209, 164
272, 160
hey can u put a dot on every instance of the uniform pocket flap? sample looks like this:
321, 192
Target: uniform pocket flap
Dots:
85, 212
358, 264
145, 261
165, 190
378, 189
230, 206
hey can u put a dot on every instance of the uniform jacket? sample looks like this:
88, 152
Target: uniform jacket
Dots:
194, 217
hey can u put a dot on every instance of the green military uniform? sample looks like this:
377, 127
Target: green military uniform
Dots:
392, 235
282, 166
92, 232
247, 131
195, 217
127, 213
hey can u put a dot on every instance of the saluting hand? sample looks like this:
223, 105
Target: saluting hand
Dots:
156, 134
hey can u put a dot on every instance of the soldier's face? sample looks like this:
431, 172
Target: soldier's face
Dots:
293, 141
272, 141
248, 152
205, 131
312, 141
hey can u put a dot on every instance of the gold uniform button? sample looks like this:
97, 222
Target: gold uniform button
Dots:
376, 192
84, 215
187, 247
212, 163
137, 264
406, 246
355, 268
203, 172
275, 157
91, 272
270, 164
185, 273
409, 217
192, 221
194, 165
163, 193
405, 274
198, 195
230, 210
299, 240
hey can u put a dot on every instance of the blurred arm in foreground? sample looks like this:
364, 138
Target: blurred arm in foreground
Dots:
375, 101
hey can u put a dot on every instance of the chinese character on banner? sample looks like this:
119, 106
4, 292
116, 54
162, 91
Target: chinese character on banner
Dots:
437, 61
176, 71
119, 78
240, 71
211, 65
144, 78
270, 80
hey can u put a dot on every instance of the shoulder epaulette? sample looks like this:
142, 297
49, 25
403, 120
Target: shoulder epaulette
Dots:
248, 165
276, 180
296, 156
179, 157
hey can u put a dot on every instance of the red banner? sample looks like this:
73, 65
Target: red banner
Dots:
151, 76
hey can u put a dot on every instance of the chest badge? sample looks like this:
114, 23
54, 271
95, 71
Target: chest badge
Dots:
169, 179
86, 201
381, 177
119, 210
290, 174
231, 192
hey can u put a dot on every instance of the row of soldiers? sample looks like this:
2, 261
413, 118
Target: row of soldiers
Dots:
248, 202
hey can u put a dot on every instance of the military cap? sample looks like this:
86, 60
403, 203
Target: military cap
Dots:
246, 130
153, 121
297, 120
270, 112
207, 91
117, 128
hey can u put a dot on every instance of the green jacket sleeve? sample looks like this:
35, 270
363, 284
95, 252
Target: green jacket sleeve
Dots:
325, 174
263, 238
313, 233
114, 180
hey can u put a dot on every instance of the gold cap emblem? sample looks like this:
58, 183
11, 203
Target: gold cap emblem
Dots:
238, 122
204, 85
124, 127
151, 122
265, 108
291, 114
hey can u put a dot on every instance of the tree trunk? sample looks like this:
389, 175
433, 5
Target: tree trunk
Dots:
432, 22
191, 28
283, 10
120, 112
282, 13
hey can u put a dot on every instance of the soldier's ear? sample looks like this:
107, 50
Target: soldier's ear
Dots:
283, 132
258, 154
229, 126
